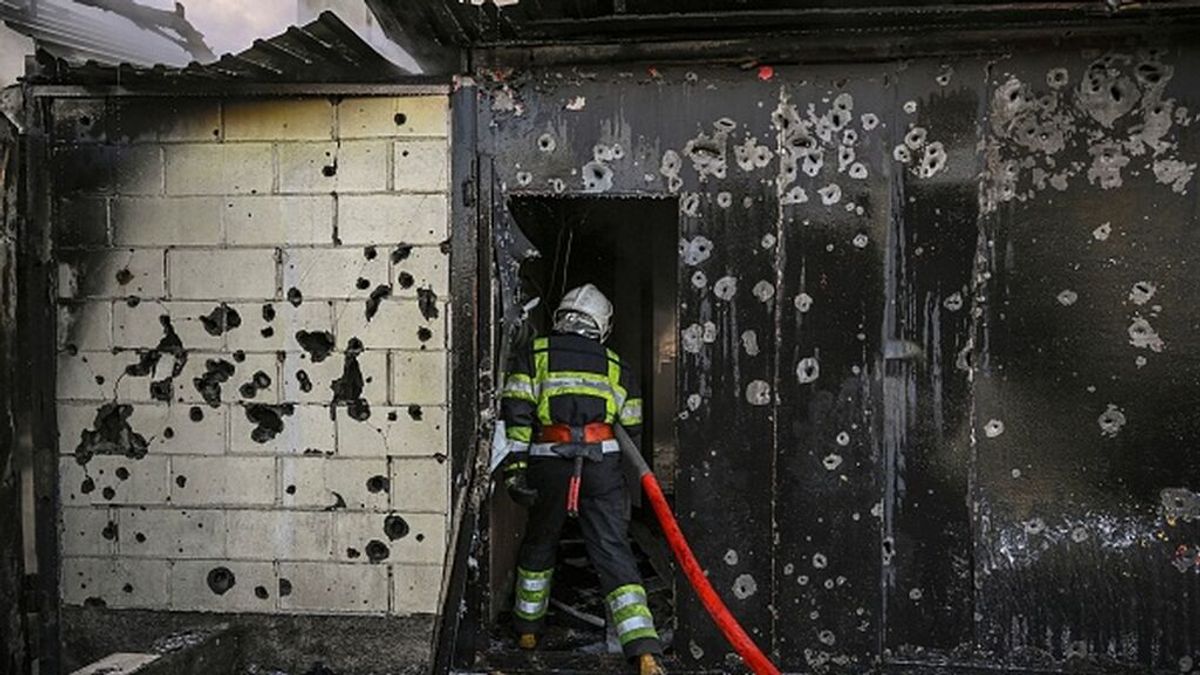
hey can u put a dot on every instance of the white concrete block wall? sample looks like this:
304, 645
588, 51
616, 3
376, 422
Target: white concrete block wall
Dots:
218, 263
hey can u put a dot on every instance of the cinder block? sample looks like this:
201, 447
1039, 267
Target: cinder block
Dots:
85, 325
219, 169
246, 379
416, 589
419, 378
387, 220
394, 116
166, 119
420, 485
83, 168
138, 324
187, 392
166, 221
81, 221
278, 221
419, 431
418, 538
276, 119
113, 479
88, 375
111, 274
321, 376
78, 120
223, 586
308, 429
215, 481
421, 166
258, 334
88, 531
321, 168
172, 533
279, 535
166, 428
425, 267
335, 272
228, 274
397, 324
330, 587
330, 482
138, 170
115, 582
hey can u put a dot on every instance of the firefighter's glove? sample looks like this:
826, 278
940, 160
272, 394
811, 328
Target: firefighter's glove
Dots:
514, 481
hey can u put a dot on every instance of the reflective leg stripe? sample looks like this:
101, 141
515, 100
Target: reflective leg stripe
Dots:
634, 596
634, 623
530, 611
631, 614
535, 584
533, 594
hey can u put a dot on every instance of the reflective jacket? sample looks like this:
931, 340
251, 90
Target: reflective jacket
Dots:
568, 380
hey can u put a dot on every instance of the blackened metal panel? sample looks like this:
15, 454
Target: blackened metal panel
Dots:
724, 482
14, 654
1088, 530
470, 282
832, 175
927, 572
672, 132
37, 425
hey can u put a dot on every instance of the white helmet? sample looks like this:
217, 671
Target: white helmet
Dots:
584, 311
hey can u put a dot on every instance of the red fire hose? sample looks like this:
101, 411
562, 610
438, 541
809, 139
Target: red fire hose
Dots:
720, 614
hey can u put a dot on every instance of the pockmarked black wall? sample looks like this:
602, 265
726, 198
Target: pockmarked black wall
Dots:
938, 342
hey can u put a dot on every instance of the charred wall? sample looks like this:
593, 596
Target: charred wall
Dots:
936, 352
252, 355
13, 646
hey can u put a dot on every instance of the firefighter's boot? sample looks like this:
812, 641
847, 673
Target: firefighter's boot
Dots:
527, 641
648, 665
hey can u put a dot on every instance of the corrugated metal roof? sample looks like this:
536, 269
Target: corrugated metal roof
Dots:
78, 31
323, 51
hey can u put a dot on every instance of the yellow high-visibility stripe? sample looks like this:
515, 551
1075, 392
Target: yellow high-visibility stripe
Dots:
520, 387
519, 434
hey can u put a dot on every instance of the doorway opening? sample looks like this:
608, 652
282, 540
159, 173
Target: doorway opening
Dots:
627, 247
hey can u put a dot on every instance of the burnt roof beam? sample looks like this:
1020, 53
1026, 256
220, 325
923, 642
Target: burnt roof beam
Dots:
469, 25
703, 24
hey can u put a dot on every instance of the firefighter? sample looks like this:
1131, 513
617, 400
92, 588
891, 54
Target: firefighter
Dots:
560, 401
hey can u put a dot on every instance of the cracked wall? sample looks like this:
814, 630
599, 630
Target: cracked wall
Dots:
922, 311
252, 371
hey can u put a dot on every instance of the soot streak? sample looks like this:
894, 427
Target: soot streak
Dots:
221, 319
318, 344
427, 301
111, 434
347, 389
376, 297
216, 373
268, 420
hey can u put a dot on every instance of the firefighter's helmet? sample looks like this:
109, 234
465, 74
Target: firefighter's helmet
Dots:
584, 311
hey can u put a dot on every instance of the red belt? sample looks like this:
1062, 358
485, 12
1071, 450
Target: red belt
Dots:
596, 432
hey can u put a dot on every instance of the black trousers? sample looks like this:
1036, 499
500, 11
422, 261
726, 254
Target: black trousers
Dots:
603, 517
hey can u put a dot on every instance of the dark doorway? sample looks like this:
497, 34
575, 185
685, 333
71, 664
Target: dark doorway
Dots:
627, 248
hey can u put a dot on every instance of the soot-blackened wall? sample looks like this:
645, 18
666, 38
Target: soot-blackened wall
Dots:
937, 354
252, 363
